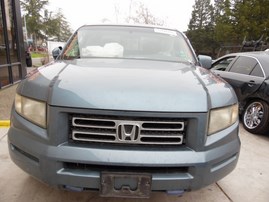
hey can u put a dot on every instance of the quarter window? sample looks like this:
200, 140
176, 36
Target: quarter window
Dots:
257, 71
244, 65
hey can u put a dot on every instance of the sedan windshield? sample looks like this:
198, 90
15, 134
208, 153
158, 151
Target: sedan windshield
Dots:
128, 42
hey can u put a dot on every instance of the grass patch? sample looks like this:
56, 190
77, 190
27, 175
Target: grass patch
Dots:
38, 55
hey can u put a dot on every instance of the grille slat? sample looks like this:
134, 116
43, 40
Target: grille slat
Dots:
127, 130
160, 129
92, 133
161, 136
93, 137
92, 123
97, 131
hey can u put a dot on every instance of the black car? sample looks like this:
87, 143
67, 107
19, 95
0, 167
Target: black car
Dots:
28, 56
248, 73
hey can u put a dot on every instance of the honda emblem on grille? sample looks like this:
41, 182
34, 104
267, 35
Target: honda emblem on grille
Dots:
128, 132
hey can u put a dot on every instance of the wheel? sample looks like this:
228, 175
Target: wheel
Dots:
256, 117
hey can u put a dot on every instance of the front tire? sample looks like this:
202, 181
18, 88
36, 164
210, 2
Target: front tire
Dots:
256, 117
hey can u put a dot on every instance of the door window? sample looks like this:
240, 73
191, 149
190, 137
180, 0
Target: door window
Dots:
244, 65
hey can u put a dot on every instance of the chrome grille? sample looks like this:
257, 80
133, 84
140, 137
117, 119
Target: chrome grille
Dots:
162, 131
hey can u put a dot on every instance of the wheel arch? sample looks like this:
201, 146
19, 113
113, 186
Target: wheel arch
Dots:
245, 102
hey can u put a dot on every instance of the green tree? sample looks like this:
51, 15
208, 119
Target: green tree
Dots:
56, 26
224, 28
43, 24
202, 15
225, 35
229, 24
64, 30
34, 19
251, 18
201, 28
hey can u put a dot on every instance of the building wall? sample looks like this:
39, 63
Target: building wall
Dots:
12, 52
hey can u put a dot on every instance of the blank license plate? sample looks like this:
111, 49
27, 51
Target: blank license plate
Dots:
127, 185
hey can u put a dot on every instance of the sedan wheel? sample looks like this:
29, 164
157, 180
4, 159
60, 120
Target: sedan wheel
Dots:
256, 117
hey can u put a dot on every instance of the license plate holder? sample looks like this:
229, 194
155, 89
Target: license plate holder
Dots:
127, 185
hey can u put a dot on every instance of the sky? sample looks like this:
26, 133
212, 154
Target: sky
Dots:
175, 13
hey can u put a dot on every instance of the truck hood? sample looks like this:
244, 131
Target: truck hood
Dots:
135, 85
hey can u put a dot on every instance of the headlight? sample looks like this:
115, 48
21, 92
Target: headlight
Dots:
33, 110
222, 118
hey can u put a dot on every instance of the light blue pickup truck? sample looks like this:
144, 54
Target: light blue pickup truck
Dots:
125, 110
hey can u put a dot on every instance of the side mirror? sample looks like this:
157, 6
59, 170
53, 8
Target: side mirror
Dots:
205, 61
56, 52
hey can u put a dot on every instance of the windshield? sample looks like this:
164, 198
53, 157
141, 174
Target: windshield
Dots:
128, 42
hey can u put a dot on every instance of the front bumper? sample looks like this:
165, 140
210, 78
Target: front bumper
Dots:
173, 168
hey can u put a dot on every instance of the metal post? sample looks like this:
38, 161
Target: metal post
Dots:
25, 25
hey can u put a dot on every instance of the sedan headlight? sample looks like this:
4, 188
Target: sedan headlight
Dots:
222, 118
33, 110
